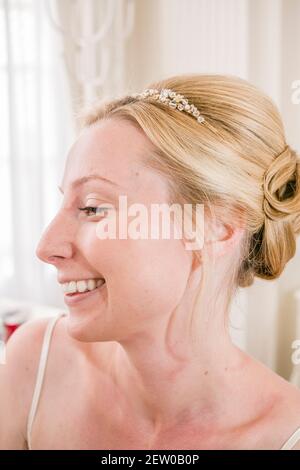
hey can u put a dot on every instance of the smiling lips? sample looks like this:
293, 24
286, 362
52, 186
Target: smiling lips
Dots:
81, 286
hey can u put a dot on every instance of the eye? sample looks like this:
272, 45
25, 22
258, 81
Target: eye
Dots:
90, 210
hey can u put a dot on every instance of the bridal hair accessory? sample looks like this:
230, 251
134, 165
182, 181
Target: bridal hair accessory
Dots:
171, 99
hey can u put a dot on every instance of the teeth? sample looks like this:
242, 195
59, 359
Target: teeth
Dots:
91, 284
82, 285
71, 287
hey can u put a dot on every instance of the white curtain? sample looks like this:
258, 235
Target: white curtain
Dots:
36, 130
111, 46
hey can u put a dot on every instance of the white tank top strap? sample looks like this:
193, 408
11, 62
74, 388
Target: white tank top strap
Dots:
294, 439
40, 374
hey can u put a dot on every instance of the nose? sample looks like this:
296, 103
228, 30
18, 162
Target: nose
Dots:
56, 241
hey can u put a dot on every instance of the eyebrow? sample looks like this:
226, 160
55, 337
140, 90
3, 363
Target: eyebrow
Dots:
87, 178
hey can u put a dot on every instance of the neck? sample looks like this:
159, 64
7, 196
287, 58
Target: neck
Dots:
167, 380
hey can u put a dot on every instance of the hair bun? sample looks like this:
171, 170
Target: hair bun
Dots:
281, 185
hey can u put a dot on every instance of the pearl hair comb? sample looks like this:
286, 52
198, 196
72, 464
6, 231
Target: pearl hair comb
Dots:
171, 99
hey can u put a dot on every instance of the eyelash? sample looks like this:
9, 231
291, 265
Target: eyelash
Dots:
91, 208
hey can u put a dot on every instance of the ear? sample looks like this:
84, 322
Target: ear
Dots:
223, 238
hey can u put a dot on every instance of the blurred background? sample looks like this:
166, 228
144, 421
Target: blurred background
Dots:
59, 55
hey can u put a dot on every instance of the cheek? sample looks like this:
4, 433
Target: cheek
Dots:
100, 254
161, 265
141, 274
160, 270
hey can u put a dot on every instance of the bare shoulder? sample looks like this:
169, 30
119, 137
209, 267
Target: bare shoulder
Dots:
275, 407
289, 397
17, 380
285, 417
24, 347
290, 411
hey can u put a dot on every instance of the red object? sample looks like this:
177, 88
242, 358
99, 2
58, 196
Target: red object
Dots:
9, 329
11, 322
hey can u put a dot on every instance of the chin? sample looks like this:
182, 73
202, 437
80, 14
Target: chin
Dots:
87, 314
88, 326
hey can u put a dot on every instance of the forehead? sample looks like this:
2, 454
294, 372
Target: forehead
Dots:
112, 148
117, 151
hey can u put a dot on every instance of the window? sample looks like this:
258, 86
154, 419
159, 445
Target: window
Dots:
36, 131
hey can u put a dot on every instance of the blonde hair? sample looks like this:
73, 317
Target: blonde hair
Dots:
236, 163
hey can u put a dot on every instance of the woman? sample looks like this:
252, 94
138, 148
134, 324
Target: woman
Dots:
144, 360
